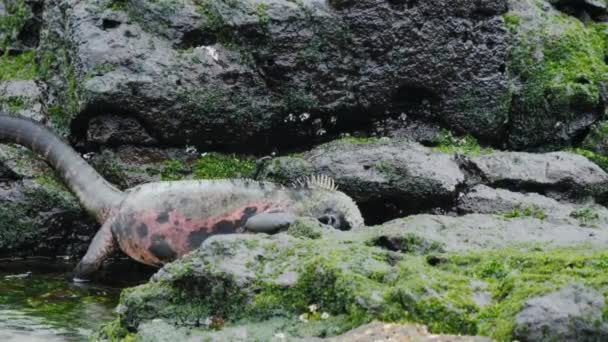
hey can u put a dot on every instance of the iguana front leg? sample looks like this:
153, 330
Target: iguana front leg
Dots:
101, 247
270, 221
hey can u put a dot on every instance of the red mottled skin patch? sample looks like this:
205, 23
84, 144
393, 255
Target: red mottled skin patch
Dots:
177, 231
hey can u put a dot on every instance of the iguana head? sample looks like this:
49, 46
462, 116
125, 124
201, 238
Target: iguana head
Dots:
322, 200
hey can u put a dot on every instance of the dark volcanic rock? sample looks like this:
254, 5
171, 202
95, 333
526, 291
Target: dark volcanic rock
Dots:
485, 200
24, 98
393, 177
475, 232
116, 130
573, 313
38, 215
597, 140
557, 174
425, 269
582, 8
223, 74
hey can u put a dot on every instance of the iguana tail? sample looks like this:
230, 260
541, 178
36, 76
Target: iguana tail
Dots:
96, 195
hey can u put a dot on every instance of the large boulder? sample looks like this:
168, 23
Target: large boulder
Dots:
573, 313
558, 174
38, 215
558, 72
276, 72
159, 330
387, 177
474, 232
482, 199
299, 285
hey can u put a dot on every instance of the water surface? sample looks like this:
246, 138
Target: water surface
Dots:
38, 303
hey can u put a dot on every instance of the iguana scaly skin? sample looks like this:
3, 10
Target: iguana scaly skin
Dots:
156, 223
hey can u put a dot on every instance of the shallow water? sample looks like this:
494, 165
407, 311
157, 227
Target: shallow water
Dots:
39, 304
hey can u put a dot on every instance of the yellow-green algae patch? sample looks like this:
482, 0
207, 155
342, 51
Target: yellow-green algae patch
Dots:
49, 306
357, 281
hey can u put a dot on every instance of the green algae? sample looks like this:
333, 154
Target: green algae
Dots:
585, 216
447, 142
556, 64
597, 136
599, 159
12, 22
19, 221
14, 103
525, 211
172, 170
208, 166
572, 64
18, 67
50, 306
355, 283
215, 166
302, 228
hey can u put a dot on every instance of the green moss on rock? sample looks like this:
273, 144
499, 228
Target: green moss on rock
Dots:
173, 170
214, 166
12, 22
286, 170
557, 62
304, 228
525, 211
20, 224
18, 67
246, 279
447, 142
599, 159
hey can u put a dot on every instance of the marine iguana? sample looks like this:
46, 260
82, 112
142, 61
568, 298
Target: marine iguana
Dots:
156, 223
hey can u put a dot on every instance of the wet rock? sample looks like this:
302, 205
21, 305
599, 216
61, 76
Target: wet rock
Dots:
558, 174
392, 176
573, 313
38, 215
280, 73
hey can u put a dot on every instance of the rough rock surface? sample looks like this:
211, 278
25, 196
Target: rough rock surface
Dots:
38, 216
558, 92
485, 200
557, 174
235, 72
573, 313
396, 177
23, 98
475, 232
160, 330
304, 285
386, 175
